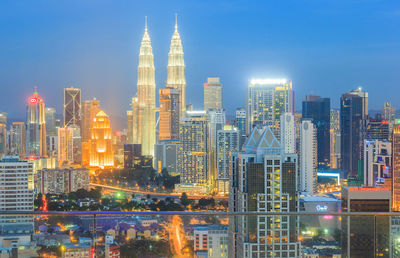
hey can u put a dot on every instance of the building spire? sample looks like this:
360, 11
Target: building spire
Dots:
145, 23
35, 90
176, 21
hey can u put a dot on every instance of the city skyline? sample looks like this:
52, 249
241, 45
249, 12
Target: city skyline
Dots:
364, 59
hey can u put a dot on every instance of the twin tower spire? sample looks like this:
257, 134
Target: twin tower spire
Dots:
144, 105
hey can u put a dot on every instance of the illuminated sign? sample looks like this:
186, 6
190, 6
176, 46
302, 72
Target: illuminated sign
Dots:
321, 207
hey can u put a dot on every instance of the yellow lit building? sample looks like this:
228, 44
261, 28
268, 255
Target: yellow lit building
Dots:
100, 144
396, 168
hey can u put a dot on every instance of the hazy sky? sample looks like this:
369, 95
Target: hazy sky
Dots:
325, 47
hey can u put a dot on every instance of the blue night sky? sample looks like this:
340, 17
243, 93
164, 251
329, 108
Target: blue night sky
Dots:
326, 47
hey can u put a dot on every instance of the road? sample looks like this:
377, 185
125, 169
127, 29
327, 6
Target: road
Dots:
156, 194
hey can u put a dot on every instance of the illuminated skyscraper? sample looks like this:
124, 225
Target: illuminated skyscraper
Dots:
353, 109
16, 140
169, 114
65, 146
335, 139
319, 111
35, 126
396, 167
388, 112
288, 133
227, 143
240, 124
308, 157
194, 153
176, 69
50, 117
212, 94
129, 133
3, 133
263, 179
72, 107
146, 100
100, 143
267, 100
89, 110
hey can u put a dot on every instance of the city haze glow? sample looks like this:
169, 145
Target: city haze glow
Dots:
268, 81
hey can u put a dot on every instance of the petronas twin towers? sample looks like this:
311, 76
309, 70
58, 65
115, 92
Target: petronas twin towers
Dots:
144, 104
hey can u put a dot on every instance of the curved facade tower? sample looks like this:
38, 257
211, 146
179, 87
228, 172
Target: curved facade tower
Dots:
146, 97
35, 126
176, 69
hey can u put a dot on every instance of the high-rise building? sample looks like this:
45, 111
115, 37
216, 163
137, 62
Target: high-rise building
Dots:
16, 186
16, 140
3, 139
194, 153
89, 110
319, 111
267, 100
169, 114
288, 133
227, 143
69, 146
100, 143
145, 107
3, 118
335, 139
133, 157
72, 107
353, 109
50, 118
16, 194
369, 236
176, 69
35, 126
166, 153
212, 94
377, 162
388, 112
374, 129
129, 133
62, 181
240, 124
396, 167
263, 179
308, 156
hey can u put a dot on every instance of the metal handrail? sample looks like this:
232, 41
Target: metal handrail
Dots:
200, 213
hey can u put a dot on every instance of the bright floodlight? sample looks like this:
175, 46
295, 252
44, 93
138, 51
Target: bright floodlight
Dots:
268, 81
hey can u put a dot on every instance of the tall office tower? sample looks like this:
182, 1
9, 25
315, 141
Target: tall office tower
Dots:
176, 69
129, 133
240, 124
35, 126
319, 111
169, 114
388, 112
369, 236
396, 167
377, 163
146, 98
353, 108
263, 179
297, 124
16, 194
16, 142
212, 94
50, 118
89, 110
100, 143
288, 133
335, 138
211, 241
3, 139
308, 156
267, 100
227, 143
72, 106
194, 153
67, 149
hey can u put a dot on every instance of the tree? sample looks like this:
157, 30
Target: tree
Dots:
184, 200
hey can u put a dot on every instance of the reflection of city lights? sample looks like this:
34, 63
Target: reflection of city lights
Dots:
328, 217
